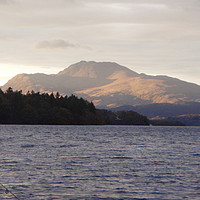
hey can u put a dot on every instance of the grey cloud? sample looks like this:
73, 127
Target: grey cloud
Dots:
65, 13
4, 2
75, 2
54, 44
58, 44
186, 5
140, 12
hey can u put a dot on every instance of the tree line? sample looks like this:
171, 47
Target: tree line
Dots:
54, 109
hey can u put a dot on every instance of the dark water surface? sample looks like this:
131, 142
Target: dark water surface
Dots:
100, 162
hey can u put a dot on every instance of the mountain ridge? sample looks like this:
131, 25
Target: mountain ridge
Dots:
108, 84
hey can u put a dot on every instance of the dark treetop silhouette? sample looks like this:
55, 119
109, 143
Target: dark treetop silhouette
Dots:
36, 108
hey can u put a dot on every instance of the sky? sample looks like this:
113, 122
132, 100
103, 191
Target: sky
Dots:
157, 37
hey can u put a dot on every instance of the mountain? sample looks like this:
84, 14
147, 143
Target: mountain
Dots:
109, 85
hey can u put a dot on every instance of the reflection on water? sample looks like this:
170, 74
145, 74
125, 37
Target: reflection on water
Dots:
100, 162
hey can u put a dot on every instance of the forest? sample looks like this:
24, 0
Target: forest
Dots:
54, 109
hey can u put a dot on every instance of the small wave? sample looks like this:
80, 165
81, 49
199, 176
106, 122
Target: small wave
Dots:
27, 145
29, 135
9, 162
122, 157
196, 154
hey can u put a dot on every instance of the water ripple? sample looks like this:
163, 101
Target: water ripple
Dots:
100, 162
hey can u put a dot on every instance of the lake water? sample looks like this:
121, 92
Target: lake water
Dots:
100, 162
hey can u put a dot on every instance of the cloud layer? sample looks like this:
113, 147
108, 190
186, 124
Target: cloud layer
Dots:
151, 36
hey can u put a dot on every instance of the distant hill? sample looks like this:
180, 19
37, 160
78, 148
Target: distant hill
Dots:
109, 85
168, 114
163, 109
189, 120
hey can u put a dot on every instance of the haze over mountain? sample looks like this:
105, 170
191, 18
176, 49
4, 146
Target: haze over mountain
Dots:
108, 85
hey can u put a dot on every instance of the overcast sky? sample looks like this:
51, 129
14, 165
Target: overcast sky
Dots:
148, 36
